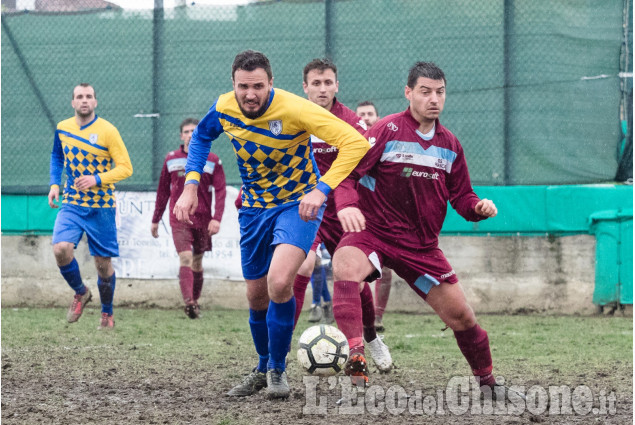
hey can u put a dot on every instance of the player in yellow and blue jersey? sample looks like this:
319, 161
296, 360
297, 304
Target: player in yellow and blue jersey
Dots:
94, 157
283, 198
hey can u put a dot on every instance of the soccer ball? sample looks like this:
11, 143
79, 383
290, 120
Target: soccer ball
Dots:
323, 350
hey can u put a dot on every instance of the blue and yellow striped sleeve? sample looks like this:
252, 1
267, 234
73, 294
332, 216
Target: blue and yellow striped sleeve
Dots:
205, 133
119, 154
351, 145
57, 161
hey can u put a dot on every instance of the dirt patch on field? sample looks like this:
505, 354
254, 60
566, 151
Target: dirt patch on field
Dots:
81, 385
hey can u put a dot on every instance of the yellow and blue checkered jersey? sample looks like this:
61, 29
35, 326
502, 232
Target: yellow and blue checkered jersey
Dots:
95, 149
274, 152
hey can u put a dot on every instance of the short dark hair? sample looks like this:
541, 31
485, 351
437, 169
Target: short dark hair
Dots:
425, 70
250, 60
188, 121
320, 64
367, 103
83, 85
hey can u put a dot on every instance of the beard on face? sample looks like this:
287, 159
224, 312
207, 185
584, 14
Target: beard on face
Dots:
84, 114
251, 115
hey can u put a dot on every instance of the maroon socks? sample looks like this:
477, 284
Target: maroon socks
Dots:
368, 313
197, 285
299, 289
186, 281
474, 345
347, 309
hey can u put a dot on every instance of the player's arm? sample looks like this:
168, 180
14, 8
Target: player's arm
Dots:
220, 192
351, 147
55, 171
346, 196
462, 197
350, 143
163, 196
119, 154
207, 131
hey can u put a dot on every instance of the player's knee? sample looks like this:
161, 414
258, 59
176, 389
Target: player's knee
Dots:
103, 266
280, 288
63, 253
346, 270
197, 263
463, 318
185, 259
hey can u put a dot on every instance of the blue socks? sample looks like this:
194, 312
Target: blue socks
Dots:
260, 335
106, 292
317, 282
280, 325
73, 277
326, 295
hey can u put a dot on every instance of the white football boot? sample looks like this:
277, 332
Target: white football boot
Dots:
380, 354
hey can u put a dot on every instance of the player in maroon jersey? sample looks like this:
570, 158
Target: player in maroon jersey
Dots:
320, 85
394, 218
191, 240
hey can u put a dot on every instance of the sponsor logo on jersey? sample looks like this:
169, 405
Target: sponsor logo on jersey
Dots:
372, 141
409, 171
406, 157
392, 126
440, 163
92, 138
406, 172
362, 124
276, 127
325, 150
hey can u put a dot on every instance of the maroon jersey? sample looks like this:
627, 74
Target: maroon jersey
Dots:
325, 154
171, 186
406, 180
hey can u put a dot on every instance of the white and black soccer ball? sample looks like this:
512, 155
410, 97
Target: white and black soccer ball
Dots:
323, 350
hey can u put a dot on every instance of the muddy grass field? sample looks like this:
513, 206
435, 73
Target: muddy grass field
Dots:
158, 367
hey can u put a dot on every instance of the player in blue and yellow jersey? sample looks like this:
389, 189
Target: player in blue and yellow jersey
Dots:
91, 151
283, 198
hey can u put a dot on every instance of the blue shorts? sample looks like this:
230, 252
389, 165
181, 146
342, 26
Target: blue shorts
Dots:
261, 229
98, 223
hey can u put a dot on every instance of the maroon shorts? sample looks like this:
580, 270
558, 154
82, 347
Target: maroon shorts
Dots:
422, 270
330, 233
193, 239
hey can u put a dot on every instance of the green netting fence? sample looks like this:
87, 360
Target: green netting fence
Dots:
539, 92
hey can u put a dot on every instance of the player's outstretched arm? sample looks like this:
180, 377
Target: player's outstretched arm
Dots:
186, 204
486, 208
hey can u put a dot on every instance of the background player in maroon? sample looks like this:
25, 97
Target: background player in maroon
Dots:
191, 240
320, 85
395, 216
367, 111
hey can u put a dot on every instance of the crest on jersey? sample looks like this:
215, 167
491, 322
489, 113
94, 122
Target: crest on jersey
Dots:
276, 127
92, 139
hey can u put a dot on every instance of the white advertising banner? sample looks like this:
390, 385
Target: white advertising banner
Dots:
143, 257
